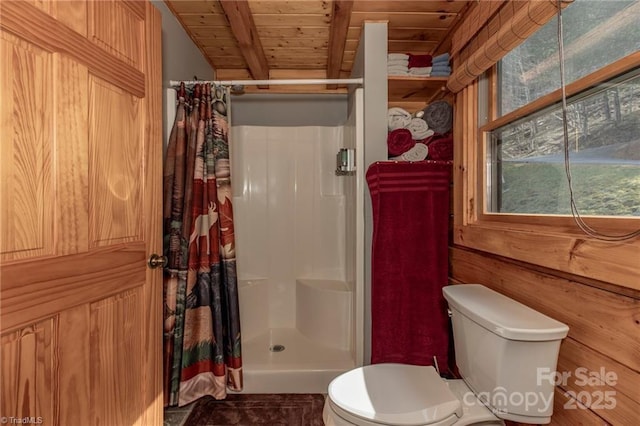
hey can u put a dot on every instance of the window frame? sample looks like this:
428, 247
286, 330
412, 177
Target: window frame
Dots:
607, 224
551, 241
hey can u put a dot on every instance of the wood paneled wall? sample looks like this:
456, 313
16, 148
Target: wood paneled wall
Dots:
548, 264
604, 333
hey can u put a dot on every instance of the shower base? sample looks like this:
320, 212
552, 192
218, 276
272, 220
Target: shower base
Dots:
303, 366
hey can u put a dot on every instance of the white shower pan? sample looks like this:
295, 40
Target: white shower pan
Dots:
301, 359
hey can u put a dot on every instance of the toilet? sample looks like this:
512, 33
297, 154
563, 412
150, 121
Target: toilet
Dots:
505, 352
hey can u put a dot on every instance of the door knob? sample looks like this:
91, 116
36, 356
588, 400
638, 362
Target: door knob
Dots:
157, 261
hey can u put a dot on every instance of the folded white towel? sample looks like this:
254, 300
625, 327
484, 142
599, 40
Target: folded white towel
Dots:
398, 118
397, 70
419, 129
398, 61
424, 71
398, 56
418, 153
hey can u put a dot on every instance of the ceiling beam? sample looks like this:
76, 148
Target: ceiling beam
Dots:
244, 30
340, 18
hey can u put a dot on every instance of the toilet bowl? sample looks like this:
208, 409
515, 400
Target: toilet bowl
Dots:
397, 394
500, 344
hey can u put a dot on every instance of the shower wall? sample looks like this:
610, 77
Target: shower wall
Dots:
354, 221
289, 208
296, 226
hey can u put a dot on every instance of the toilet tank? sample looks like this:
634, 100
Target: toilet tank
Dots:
505, 351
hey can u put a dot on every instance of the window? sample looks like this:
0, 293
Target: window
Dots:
525, 155
510, 192
596, 34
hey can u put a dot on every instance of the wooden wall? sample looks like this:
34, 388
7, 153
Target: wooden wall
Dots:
548, 264
604, 332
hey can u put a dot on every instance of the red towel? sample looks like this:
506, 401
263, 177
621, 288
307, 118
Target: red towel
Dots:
399, 141
409, 262
441, 148
420, 61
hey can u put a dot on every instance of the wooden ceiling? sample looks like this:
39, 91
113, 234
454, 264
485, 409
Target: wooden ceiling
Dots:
259, 39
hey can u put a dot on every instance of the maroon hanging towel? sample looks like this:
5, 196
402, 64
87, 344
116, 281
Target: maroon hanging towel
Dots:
409, 262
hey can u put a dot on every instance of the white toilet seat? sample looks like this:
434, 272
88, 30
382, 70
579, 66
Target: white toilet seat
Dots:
394, 394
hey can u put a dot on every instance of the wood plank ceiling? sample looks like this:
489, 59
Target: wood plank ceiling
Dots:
259, 39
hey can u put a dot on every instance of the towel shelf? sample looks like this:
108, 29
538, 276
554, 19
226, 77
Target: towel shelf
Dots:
405, 90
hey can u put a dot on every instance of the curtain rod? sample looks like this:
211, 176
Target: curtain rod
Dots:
176, 83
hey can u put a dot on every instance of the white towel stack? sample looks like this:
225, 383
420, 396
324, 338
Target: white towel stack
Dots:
397, 64
421, 71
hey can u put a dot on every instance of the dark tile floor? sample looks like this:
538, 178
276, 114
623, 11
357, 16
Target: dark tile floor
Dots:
176, 416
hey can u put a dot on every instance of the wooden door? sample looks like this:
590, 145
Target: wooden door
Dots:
80, 207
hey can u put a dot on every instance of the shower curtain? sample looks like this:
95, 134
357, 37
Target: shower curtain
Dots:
202, 354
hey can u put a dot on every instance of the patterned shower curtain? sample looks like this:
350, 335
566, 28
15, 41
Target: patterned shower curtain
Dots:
202, 354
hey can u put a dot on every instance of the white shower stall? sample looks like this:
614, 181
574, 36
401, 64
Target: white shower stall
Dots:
299, 238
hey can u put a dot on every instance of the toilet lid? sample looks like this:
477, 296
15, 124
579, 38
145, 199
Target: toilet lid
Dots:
395, 394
